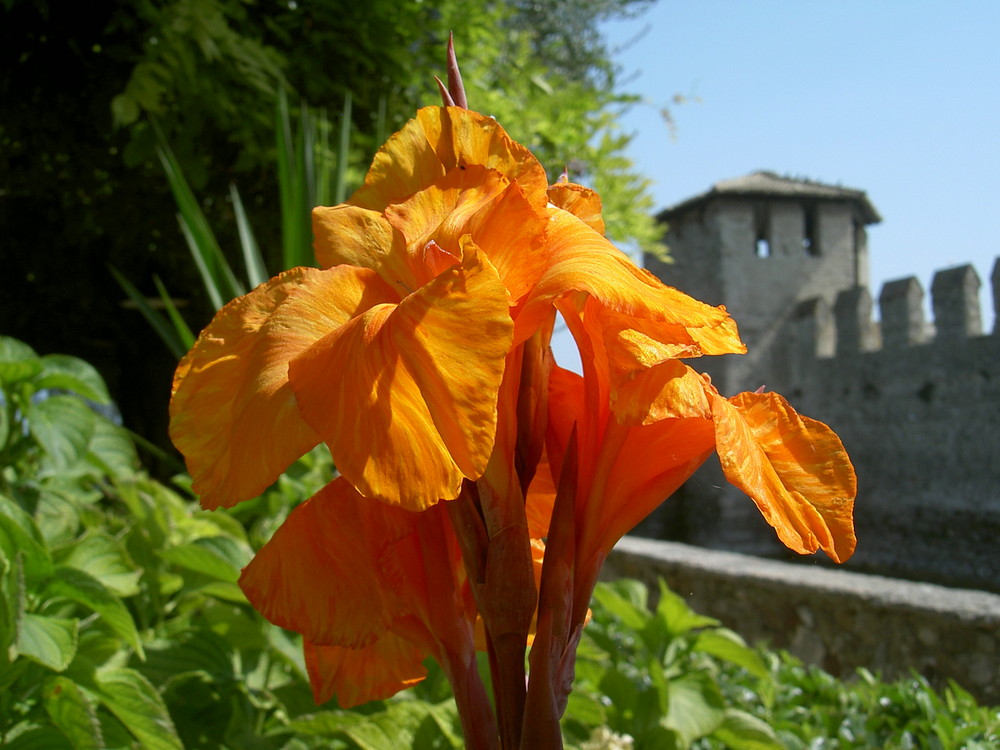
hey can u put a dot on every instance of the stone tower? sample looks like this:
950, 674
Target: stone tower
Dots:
773, 250
762, 245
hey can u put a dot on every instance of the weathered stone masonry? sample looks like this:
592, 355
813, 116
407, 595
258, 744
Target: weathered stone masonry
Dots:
916, 403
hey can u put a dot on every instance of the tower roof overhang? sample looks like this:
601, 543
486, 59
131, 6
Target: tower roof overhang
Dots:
768, 185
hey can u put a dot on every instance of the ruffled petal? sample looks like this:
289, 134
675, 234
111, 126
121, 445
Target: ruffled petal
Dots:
320, 574
359, 675
794, 468
581, 260
232, 413
353, 236
485, 205
582, 202
405, 396
440, 139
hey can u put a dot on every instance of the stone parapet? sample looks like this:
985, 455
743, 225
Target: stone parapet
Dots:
830, 617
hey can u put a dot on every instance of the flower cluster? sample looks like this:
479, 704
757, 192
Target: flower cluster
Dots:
480, 485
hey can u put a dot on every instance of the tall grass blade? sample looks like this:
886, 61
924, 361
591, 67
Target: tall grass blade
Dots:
256, 272
161, 325
215, 294
343, 148
216, 272
180, 326
289, 185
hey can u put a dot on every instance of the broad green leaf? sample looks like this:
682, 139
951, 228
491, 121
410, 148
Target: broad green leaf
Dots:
106, 559
73, 713
677, 615
20, 536
696, 707
217, 557
18, 361
137, 705
742, 731
394, 728
192, 651
73, 374
112, 451
725, 644
38, 738
63, 426
84, 589
624, 604
51, 641
6, 421
224, 590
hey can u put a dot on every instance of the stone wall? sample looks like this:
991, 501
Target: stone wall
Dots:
917, 405
832, 618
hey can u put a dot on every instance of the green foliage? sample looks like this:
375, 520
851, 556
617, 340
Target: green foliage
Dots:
809, 708
653, 675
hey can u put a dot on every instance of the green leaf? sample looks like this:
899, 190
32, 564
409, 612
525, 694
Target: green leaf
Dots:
624, 604
38, 738
217, 556
201, 651
84, 589
73, 713
696, 707
106, 559
20, 536
51, 641
137, 705
18, 361
742, 731
63, 426
72, 374
675, 613
112, 451
725, 644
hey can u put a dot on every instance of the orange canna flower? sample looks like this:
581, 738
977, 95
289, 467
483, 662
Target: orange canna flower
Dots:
419, 353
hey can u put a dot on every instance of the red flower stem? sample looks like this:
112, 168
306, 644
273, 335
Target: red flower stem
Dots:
479, 723
547, 688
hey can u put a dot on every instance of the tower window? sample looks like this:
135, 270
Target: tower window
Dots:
809, 244
763, 248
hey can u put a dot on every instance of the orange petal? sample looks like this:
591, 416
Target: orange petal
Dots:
582, 260
482, 203
539, 500
233, 415
320, 575
651, 463
461, 137
353, 236
440, 139
405, 396
360, 675
669, 390
794, 468
580, 201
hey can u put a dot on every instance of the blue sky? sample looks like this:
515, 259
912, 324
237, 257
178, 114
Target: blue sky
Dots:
898, 98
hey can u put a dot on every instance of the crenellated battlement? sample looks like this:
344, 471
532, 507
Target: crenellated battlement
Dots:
847, 327
914, 397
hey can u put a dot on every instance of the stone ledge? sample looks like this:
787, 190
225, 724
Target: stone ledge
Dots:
832, 618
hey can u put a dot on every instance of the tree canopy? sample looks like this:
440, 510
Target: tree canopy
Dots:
83, 189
